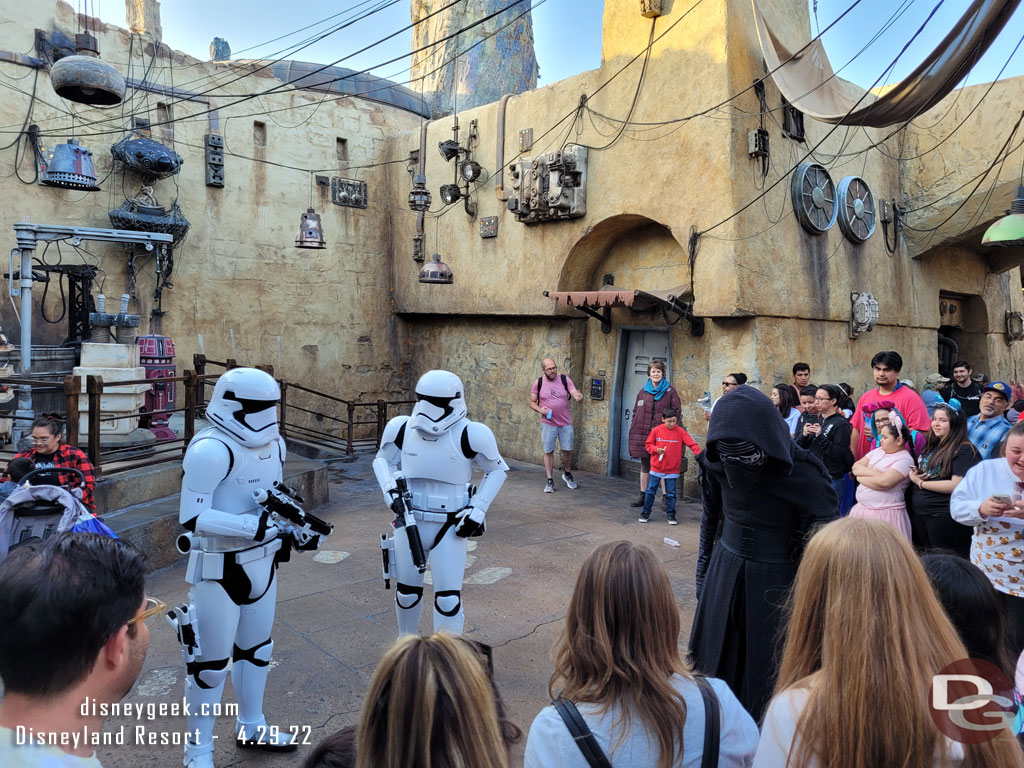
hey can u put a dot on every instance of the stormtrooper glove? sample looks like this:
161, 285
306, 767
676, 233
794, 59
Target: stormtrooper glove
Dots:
471, 522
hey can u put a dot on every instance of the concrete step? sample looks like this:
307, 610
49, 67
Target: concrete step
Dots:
300, 447
152, 525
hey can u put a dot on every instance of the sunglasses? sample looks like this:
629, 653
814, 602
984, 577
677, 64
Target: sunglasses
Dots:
153, 607
729, 384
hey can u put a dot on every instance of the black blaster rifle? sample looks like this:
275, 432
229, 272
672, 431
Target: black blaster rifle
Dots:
283, 507
404, 518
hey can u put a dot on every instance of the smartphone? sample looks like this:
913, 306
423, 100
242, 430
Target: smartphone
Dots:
812, 418
1002, 498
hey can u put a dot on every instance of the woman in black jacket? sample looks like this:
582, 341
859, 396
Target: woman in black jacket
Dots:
829, 439
947, 456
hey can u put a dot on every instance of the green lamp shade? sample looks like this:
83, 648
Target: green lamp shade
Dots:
1008, 232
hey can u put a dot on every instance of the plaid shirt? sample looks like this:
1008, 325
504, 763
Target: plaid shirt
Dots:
75, 458
986, 435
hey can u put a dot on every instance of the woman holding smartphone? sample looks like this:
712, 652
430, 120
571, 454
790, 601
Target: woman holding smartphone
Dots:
989, 499
828, 437
947, 457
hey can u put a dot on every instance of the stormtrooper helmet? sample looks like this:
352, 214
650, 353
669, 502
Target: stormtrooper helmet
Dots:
244, 404
439, 402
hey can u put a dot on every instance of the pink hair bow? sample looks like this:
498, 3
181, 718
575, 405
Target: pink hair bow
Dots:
895, 421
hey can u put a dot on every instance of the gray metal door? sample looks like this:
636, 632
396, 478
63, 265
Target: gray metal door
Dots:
642, 348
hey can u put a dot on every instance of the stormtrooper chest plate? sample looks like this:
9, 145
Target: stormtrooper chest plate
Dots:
252, 469
436, 458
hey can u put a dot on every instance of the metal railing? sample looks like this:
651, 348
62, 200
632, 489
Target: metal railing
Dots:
307, 415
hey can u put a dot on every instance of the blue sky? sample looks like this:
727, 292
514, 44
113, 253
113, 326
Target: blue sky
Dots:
567, 33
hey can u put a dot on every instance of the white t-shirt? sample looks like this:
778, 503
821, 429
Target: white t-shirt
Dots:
997, 546
14, 755
549, 744
779, 728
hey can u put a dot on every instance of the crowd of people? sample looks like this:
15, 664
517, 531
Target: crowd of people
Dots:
848, 558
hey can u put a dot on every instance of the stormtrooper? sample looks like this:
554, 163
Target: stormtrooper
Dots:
234, 547
424, 467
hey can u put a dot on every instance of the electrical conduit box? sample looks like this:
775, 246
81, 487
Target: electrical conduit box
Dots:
550, 187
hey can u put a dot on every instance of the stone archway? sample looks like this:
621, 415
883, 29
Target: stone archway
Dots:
644, 253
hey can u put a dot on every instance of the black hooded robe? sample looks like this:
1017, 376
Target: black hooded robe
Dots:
750, 545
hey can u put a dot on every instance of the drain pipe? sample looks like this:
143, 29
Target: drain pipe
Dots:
420, 237
499, 162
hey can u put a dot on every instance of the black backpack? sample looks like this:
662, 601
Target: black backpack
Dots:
564, 384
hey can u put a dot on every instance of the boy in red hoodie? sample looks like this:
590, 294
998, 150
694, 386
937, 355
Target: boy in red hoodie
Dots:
665, 444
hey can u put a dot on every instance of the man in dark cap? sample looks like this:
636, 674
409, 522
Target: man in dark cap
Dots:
762, 496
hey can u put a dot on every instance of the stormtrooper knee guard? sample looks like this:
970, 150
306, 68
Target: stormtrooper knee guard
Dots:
204, 686
448, 613
408, 607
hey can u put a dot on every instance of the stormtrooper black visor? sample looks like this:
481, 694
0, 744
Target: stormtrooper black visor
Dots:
441, 404
255, 415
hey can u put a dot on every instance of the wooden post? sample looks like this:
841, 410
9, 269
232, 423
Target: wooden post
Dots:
230, 363
72, 390
266, 369
94, 390
192, 384
351, 415
283, 426
382, 419
199, 363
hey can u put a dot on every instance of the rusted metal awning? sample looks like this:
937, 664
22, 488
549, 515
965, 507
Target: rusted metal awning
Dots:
674, 301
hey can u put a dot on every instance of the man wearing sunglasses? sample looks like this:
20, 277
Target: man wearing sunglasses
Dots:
73, 608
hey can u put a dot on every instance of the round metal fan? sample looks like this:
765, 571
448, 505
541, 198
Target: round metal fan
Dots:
856, 209
814, 197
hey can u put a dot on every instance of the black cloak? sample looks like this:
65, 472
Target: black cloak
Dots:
750, 545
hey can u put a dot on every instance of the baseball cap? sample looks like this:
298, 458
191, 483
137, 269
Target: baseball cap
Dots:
936, 378
908, 383
1000, 388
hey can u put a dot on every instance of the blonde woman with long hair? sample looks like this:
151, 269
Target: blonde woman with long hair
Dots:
431, 704
866, 634
617, 660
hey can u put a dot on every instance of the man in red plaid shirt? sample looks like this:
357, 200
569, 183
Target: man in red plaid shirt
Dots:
48, 451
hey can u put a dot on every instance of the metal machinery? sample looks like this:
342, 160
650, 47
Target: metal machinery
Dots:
28, 236
156, 355
551, 186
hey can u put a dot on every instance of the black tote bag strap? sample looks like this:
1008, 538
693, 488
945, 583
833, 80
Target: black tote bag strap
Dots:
581, 734
712, 722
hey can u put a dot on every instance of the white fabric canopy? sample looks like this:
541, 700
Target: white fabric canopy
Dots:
808, 82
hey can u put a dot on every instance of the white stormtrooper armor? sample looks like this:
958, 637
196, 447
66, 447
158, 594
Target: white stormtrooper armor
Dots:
434, 449
233, 556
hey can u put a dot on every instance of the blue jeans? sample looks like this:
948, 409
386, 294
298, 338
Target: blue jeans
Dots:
670, 495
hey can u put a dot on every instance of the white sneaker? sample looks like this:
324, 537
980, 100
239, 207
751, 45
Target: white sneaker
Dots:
549, 487
569, 481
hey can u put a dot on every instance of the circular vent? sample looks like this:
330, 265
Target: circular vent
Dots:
856, 209
814, 198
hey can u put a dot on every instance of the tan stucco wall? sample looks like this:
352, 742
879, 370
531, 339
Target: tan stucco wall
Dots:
321, 317
772, 293
354, 321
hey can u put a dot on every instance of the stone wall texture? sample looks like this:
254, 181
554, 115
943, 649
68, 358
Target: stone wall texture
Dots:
478, 66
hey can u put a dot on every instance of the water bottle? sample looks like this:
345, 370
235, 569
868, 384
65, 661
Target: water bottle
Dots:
671, 542
550, 414
705, 401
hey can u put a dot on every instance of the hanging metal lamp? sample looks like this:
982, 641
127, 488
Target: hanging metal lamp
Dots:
70, 167
311, 231
1008, 232
84, 77
419, 195
436, 272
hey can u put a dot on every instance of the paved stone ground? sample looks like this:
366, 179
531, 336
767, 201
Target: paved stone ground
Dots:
334, 618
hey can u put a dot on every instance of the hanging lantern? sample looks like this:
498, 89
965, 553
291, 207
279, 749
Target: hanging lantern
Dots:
419, 195
1008, 232
436, 271
85, 77
70, 167
311, 231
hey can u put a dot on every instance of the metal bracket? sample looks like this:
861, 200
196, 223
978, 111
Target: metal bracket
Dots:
605, 316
